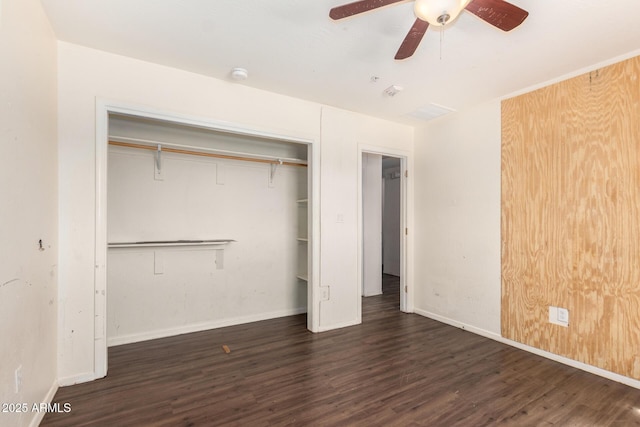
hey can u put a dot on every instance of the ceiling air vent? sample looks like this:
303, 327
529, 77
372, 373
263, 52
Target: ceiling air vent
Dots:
430, 112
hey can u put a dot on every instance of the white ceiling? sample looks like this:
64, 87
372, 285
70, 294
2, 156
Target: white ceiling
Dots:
292, 47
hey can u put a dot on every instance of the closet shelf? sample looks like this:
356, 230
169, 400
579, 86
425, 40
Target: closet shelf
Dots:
303, 240
216, 242
144, 144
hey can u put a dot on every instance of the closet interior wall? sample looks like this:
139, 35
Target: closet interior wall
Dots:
155, 291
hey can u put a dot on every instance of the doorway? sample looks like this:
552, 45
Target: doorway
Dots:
382, 244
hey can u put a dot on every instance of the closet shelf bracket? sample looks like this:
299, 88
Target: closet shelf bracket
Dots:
158, 164
274, 167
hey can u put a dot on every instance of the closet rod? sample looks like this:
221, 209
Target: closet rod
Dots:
205, 154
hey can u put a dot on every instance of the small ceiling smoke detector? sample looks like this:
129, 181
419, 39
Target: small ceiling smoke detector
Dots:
393, 90
239, 74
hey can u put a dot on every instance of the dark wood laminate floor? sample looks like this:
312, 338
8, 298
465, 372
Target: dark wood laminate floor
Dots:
393, 370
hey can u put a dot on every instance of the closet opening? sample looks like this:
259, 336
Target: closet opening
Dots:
203, 228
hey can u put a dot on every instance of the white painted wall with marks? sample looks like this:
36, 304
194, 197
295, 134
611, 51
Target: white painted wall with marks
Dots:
85, 75
458, 203
166, 290
28, 210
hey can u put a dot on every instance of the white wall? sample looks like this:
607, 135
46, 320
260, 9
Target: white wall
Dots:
86, 74
457, 264
161, 291
344, 136
28, 210
371, 224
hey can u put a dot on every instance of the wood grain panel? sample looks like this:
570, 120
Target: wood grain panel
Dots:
571, 217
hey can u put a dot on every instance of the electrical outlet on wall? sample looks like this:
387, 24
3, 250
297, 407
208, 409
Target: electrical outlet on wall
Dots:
563, 315
324, 293
559, 316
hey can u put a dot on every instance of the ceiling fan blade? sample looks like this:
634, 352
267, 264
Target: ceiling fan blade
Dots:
357, 7
499, 13
412, 40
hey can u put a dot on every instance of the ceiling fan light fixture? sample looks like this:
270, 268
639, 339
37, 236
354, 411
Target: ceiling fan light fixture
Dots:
439, 12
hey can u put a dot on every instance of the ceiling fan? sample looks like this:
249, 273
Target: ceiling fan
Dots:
499, 13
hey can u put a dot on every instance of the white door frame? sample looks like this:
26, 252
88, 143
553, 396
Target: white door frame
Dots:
106, 107
406, 254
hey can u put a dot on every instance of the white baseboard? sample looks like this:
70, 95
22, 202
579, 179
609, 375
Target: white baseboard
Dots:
564, 360
76, 379
48, 398
372, 295
338, 325
202, 326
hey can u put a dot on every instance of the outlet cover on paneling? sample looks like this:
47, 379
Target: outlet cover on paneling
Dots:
563, 315
556, 318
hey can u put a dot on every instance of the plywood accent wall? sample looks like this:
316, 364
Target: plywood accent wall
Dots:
571, 217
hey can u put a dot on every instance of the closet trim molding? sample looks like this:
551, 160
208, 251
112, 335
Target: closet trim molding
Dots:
105, 107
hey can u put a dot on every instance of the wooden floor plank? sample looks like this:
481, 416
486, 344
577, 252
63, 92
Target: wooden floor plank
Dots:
395, 369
